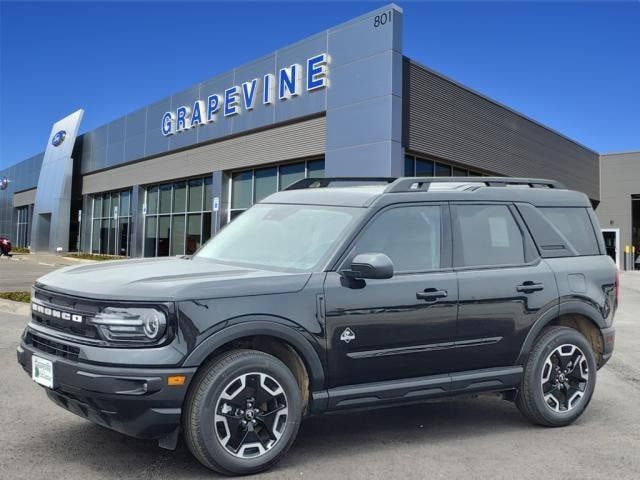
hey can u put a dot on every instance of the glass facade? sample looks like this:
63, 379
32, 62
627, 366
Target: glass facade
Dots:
178, 219
111, 223
423, 167
22, 226
251, 186
178, 216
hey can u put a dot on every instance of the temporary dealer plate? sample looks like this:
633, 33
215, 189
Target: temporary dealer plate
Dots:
42, 371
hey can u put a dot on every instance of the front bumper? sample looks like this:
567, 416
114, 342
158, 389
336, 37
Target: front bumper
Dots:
133, 401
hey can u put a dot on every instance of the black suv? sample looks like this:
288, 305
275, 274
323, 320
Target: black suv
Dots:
335, 294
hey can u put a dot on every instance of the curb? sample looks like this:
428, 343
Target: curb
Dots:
17, 308
79, 260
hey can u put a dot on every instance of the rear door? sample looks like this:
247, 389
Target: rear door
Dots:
403, 326
503, 284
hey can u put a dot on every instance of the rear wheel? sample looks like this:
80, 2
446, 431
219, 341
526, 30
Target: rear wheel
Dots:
243, 412
559, 378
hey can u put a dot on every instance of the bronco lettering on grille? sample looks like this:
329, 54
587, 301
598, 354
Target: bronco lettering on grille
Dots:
50, 312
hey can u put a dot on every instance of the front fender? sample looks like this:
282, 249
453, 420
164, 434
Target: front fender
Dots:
266, 326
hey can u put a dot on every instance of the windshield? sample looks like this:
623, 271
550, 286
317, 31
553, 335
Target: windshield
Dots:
287, 237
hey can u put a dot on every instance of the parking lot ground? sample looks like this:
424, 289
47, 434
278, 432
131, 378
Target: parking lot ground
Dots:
460, 439
20, 271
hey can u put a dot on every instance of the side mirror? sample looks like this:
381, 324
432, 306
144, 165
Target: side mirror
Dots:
370, 265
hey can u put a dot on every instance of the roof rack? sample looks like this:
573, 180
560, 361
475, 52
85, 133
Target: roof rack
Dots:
339, 182
411, 184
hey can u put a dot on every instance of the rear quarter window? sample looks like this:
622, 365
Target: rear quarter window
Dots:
575, 225
487, 235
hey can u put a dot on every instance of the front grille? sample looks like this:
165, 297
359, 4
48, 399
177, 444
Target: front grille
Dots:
52, 347
72, 315
80, 329
70, 305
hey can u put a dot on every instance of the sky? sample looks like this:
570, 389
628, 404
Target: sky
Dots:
573, 66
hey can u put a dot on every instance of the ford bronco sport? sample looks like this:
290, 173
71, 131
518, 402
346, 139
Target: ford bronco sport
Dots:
335, 294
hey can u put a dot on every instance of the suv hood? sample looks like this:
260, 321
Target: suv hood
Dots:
168, 279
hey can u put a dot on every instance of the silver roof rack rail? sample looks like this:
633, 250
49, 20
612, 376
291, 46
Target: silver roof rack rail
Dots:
339, 182
412, 184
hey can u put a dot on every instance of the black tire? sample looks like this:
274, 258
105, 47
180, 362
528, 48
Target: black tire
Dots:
557, 409
202, 407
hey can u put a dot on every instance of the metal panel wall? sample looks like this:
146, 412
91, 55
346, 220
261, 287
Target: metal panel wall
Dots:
364, 102
619, 179
446, 120
138, 135
288, 142
22, 176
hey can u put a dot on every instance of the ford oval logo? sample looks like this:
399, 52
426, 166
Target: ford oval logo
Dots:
58, 138
4, 183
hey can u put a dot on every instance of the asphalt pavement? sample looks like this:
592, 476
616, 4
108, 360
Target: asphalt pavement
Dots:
20, 271
477, 438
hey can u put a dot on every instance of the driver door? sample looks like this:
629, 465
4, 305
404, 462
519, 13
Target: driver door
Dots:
403, 326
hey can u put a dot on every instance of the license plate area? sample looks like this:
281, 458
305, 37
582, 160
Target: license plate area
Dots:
42, 371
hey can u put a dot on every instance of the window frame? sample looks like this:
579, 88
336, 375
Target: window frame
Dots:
113, 219
446, 245
233, 212
530, 252
171, 214
411, 160
22, 225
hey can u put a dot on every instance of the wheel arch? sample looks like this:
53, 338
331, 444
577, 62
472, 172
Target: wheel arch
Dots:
263, 328
575, 314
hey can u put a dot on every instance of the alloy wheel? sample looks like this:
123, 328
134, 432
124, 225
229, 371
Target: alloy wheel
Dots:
251, 415
565, 376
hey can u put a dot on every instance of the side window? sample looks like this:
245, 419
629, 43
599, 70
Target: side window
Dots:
409, 236
487, 235
575, 225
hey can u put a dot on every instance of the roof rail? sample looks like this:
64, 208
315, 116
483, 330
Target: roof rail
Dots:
411, 184
339, 182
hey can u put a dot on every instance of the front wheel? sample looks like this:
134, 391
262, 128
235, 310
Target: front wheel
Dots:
243, 412
559, 378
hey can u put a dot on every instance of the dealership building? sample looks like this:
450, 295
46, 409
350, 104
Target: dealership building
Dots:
619, 207
344, 102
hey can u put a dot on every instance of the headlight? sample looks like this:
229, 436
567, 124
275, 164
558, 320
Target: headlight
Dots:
131, 324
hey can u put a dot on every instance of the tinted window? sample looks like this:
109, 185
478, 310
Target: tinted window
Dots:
488, 235
195, 195
575, 225
241, 195
179, 196
165, 198
409, 236
443, 170
315, 169
424, 168
265, 182
409, 167
291, 174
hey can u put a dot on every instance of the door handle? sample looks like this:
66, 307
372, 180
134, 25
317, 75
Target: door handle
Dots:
431, 294
530, 287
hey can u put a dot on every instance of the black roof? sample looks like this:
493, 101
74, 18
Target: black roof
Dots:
363, 192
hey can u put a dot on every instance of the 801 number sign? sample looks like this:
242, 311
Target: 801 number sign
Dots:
382, 19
